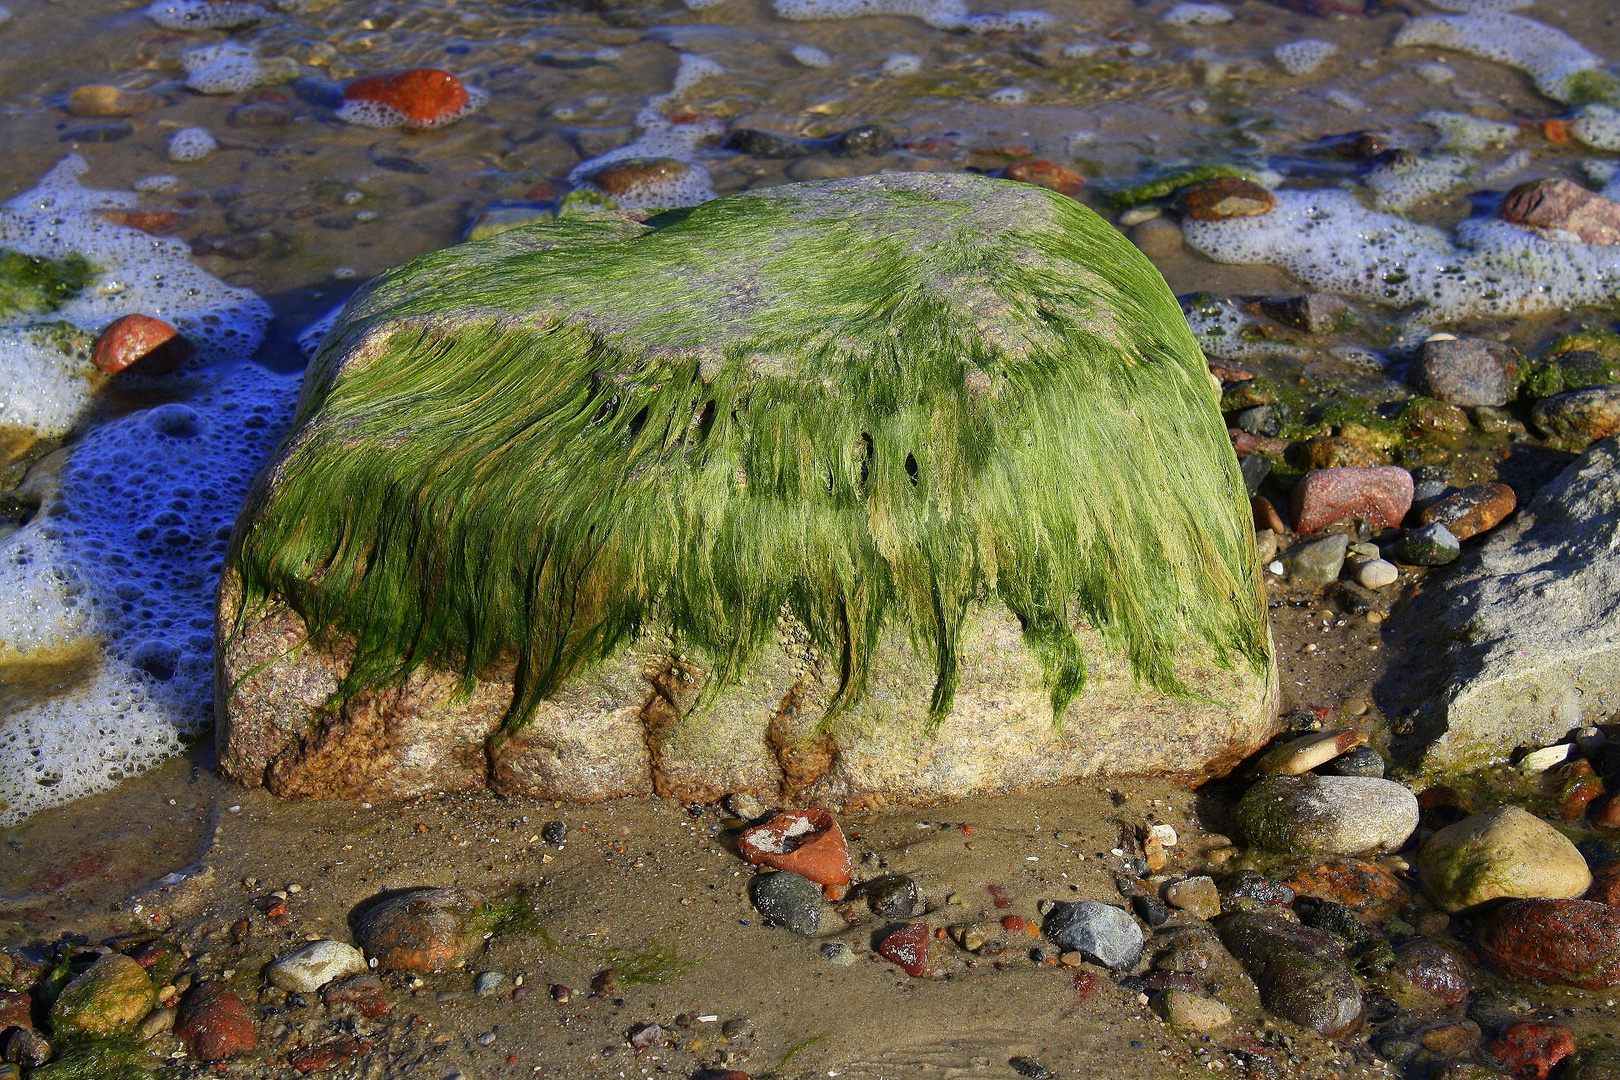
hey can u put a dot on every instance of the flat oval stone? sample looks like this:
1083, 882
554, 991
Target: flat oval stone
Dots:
1101, 931
1505, 852
1328, 815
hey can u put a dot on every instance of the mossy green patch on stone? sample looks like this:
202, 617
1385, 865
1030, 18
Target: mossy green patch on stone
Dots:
870, 402
1587, 87
1164, 182
100, 1059
35, 285
107, 1000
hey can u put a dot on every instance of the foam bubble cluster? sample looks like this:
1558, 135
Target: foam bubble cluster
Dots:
1549, 56
313, 336
1304, 56
1466, 133
225, 68
899, 64
1407, 181
1598, 126
1481, 5
113, 581
940, 14
204, 14
191, 144
157, 185
46, 379
662, 137
1191, 14
1328, 240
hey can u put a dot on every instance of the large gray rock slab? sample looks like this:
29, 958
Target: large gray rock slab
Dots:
1527, 627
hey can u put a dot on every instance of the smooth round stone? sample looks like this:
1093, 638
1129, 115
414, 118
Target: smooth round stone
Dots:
1193, 1012
1377, 574
787, 900
1502, 853
313, 966
1101, 931
1362, 761
1327, 815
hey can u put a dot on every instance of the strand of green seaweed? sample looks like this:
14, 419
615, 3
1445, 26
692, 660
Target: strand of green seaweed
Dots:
532, 450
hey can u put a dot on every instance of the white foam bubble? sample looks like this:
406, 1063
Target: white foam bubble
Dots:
812, 57
1466, 133
157, 185
313, 336
1192, 14
224, 68
1009, 95
1403, 184
1304, 56
1328, 240
899, 64
661, 137
1548, 55
1481, 5
940, 14
204, 14
1598, 126
191, 144
46, 389
1226, 332
122, 562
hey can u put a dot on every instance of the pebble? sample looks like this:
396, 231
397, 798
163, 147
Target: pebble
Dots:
1565, 206
1266, 520
1328, 815
1532, 1051
1193, 1012
1381, 496
1502, 853
422, 930
1150, 910
1466, 371
1341, 452
746, 806
554, 833
100, 100
1157, 238
1101, 931
1248, 890
1362, 761
634, 176
1473, 510
156, 1023
790, 901
423, 97
1138, 214
1377, 574
838, 952
1299, 756
1431, 545
259, 114
313, 966
109, 999
893, 896
1570, 942
28, 1047
363, 993
807, 842
1047, 174
1316, 564
490, 983
1197, 896
1301, 972
1224, 198
1432, 969
136, 339
216, 1024
1313, 313
907, 947
1578, 418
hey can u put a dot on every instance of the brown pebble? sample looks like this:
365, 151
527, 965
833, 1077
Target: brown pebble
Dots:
1473, 510
636, 175
1227, 197
131, 340
100, 100
1047, 174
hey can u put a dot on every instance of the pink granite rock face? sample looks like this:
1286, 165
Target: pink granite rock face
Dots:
1381, 496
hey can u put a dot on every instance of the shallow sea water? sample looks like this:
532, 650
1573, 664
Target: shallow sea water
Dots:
303, 211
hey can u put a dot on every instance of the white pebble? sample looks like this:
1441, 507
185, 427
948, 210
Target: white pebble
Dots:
1377, 573
1190, 14
902, 64
812, 57
1009, 95
1138, 214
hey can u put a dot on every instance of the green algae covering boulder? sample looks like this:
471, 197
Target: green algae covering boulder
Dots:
898, 488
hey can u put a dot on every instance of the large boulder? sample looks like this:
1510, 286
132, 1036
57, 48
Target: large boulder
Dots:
1524, 628
900, 488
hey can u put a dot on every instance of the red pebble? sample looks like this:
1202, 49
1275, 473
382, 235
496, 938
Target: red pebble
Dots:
807, 842
426, 97
1605, 885
140, 339
216, 1024
1380, 495
16, 1010
1047, 174
908, 948
328, 1055
1015, 923
1265, 514
1531, 1051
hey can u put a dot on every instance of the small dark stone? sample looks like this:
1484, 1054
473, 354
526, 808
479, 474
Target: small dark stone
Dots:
1031, 1068
1301, 721
112, 131
764, 144
1127, 885
864, 141
1175, 980
1262, 420
1353, 598
554, 832
1398, 1048
1255, 468
1301, 971
1466, 371
1150, 910
27, 1047
893, 896
1314, 313
1249, 885
1362, 761
1431, 545
1134, 984
790, 901
318, 90
395, 163
1336, 919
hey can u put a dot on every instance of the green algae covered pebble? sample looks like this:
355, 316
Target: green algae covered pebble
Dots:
100, 1059
33, 285
1169, 181
109, 999
1506, 853
872, 403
